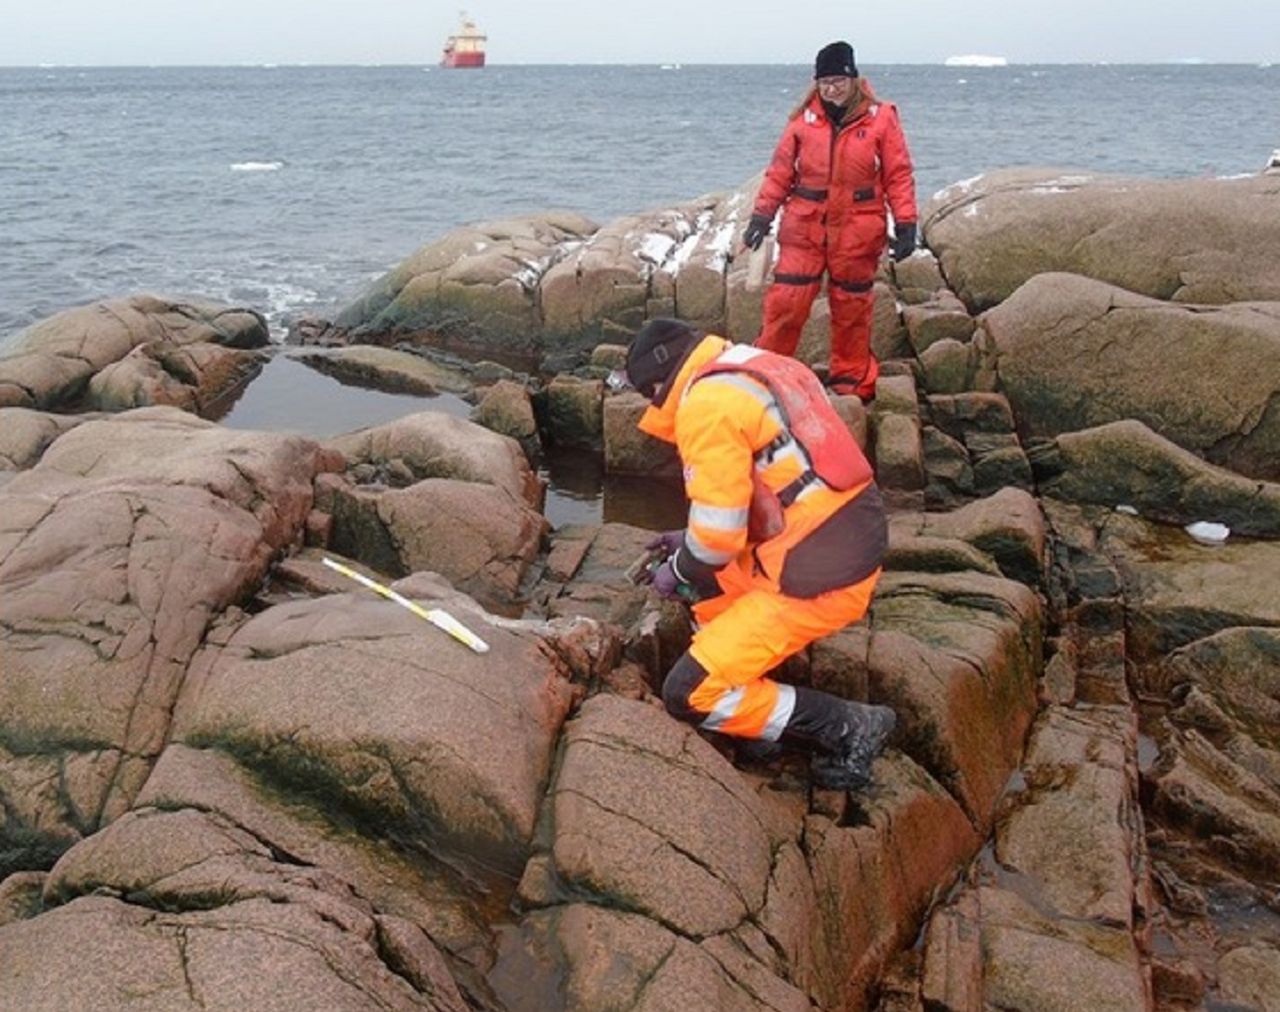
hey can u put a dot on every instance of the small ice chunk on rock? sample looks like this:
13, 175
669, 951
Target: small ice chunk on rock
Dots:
1127, 510
1207, 532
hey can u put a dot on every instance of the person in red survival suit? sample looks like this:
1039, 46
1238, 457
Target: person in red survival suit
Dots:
841, 161
784, 542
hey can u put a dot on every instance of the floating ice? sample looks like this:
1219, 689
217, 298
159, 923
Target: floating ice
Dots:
1207, 532
256, 166
975, 60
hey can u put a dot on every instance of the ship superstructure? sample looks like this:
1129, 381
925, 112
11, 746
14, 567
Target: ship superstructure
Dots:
465, 48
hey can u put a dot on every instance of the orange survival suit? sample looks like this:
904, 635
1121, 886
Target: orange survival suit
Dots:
833, 183
765, 594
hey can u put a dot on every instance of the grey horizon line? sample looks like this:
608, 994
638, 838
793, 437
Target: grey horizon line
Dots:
1183, 62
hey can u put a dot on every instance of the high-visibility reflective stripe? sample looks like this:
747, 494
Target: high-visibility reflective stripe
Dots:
710, 556
810, 488
741, 382
739, 353
724, 709
765, 727
787, 450
775, 446
718, 518
776, 451
782, 711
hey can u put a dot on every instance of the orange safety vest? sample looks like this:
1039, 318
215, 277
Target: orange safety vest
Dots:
833, 455
737, 458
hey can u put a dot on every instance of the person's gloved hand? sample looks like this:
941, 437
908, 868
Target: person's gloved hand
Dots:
668, 542
757, 229
665, 581
904, 243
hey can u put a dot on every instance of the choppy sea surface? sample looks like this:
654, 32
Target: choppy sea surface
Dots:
289, 188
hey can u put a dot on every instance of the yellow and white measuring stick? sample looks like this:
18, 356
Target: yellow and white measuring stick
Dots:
437, 617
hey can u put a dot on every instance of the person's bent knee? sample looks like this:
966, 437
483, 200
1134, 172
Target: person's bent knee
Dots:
684, 677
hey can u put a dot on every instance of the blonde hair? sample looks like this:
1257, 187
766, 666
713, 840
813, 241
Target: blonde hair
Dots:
861, 97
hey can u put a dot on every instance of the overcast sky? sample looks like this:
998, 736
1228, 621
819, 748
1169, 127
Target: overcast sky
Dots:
114, 32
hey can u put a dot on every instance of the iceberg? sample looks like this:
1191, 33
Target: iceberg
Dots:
975, 60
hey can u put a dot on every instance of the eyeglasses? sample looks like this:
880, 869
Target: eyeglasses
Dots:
827, 83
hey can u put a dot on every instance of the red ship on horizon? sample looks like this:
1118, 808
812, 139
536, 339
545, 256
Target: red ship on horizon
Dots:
465, 48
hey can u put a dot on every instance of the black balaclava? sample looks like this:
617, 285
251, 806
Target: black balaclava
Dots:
657, 351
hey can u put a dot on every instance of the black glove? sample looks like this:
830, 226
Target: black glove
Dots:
904, 242
757, 229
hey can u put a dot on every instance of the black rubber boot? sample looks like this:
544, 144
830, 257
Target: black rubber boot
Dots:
865, 733
842, 736
756, 752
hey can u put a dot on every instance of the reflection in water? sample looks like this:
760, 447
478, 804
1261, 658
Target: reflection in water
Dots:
581, 493
288, 396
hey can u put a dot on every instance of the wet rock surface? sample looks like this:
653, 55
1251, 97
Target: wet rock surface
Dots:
385, 369
476, 282
1072, 353
1126, 464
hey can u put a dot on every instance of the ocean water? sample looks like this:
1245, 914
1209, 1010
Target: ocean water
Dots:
289, 188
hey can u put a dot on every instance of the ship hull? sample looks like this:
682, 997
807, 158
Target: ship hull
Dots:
462, 60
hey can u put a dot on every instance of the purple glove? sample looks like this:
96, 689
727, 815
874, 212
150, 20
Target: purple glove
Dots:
665, 581
668, 542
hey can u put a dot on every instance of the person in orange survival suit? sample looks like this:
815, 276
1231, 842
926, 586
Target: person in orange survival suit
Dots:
785, 538
841, 160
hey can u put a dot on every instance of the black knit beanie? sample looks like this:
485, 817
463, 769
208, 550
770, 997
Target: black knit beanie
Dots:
656, 351
835, 60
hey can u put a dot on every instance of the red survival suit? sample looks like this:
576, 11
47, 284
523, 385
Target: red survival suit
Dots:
833, 184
